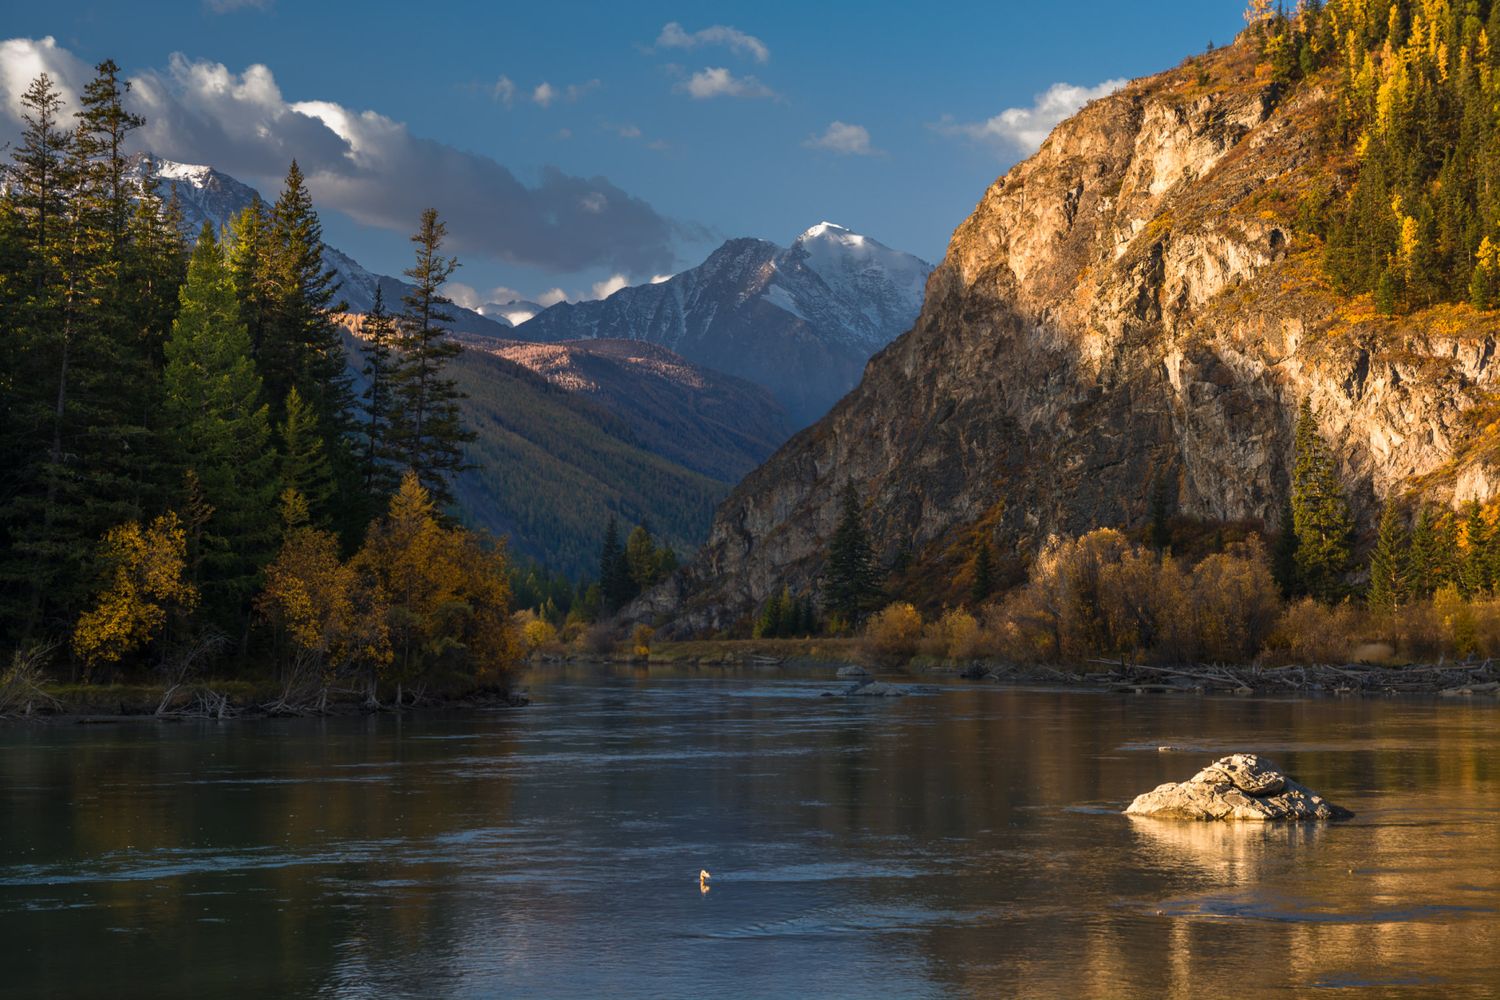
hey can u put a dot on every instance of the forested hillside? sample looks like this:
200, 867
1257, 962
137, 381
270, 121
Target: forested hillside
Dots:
1253, 294
191, 477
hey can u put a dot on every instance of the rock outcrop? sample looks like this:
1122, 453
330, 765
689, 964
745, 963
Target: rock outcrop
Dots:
1239, 787
1140, 302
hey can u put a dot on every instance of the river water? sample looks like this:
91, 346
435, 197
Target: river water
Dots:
962, 842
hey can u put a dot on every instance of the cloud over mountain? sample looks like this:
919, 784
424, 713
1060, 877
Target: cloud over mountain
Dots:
366, 165
1023, 130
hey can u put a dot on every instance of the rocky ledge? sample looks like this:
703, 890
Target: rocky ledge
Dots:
1239, 787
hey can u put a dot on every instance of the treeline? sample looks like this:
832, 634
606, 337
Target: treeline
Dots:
558, 608
1418, 86
190, 476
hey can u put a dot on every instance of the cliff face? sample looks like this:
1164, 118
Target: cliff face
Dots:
1137, 301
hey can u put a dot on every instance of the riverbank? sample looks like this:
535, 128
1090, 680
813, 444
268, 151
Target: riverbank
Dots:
222, 700
1474, 678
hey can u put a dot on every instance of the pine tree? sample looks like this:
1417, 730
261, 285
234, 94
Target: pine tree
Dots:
615, 585
304, 464
1159, 530
379, 332
303, 347
1474, 571
984, 574
427, 428
220, 432
849, 587
1284, 554
1425, 564
1319, 513
1388, 570
250, 260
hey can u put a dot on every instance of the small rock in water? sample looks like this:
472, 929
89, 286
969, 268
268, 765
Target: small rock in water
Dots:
875, 689
852, 672
1239, 787
1167, 748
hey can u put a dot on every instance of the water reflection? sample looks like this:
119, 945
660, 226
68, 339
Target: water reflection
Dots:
966, 842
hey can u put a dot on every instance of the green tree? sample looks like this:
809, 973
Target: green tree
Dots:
616, 588
1426, 564
220, 431
1474, 570
1320, 515
849, 586
427, 428
304, 464
984, 573
379, 340
1284, 553
1388, 569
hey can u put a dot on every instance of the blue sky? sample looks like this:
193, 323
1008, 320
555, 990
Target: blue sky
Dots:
669, 140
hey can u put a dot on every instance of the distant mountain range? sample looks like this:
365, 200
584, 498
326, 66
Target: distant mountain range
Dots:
569, 434
801, 320
209, 195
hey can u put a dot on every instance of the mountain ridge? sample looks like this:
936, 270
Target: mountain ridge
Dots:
799, 320
1141, 302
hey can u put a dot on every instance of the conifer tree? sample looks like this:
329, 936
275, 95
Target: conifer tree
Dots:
304, 464
303, 346
849, 586
616, 588
220, 430
1474, 570
1425, 565
1319, 513
249, 254
1388, 570
427, 428
984, 574
378, 471
1284, 553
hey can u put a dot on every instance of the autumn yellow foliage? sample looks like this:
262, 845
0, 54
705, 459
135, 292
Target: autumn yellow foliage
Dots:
144, 581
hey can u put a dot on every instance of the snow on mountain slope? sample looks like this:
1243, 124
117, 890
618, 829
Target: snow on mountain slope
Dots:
801, 321
209, 195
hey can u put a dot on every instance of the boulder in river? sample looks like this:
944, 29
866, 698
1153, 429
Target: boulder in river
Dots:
875, 689
1239, 787
852, 672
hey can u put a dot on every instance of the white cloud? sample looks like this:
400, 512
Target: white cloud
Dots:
604, 289
363, 164
22, 60
1023, 130
551, 297
657, 279
625, 131
462, 294
841, 137
503, 91
673, 37
716, 81
546, 95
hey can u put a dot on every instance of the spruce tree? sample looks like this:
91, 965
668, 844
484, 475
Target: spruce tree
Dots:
379, 339
1319, 513
304, 464
984, 574
303, 347
616, 587
1159, 530
1426, 561
1388, 569
1284, 553
849, 588
1474, 568
427, 427
220, 432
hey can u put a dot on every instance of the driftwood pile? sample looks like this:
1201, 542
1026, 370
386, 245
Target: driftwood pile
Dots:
1454, 679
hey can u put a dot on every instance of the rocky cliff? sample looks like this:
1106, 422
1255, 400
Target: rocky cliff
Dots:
1136, 303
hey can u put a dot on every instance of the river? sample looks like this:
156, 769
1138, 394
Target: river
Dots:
961, 842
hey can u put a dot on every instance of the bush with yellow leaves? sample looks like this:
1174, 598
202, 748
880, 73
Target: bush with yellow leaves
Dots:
894, 632
144, 581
